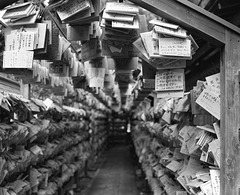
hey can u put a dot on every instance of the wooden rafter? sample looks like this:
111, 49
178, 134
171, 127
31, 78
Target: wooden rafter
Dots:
191, 17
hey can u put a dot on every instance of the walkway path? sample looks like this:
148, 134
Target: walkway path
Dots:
116, 176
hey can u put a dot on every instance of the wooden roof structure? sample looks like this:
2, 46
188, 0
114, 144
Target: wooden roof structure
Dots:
226, 37
220, 39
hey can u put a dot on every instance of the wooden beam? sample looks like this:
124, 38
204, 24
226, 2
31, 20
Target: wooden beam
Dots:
230, 117
191, 17
212, 17
25, 90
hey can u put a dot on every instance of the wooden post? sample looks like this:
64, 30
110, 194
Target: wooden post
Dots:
230, 117
25, 90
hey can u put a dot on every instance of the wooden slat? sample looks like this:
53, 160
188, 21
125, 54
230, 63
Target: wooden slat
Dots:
25, 90
230, 117
191, 17
209, 15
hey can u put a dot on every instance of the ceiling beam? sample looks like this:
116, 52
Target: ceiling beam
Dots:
211, 17
191, 17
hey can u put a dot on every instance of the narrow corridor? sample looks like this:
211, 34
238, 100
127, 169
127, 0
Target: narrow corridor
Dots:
116, 175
